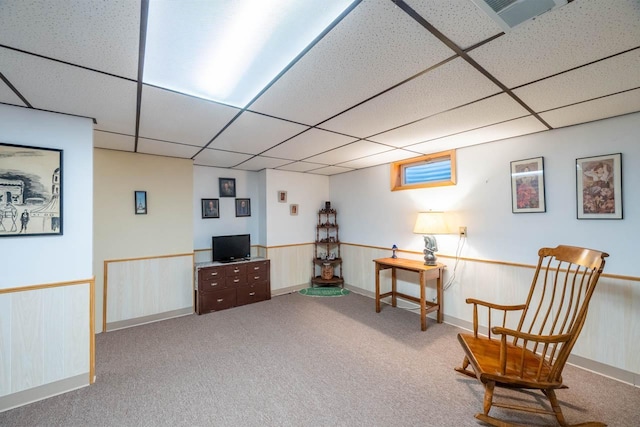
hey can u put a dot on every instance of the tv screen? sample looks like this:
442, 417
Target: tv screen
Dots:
231, 248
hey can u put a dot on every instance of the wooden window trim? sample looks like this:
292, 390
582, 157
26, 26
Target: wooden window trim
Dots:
397, 167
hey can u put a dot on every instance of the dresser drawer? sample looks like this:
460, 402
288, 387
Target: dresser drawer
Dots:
252, 293
235, 270
235, 281
261, 267
211, 275
214, 301
257, 276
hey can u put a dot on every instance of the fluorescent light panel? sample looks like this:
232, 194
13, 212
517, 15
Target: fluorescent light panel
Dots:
229, 50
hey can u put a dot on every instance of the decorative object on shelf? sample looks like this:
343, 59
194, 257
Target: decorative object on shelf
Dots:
293, 209
527, 186
210, 208
30, 191
282, 197
327, 264
428, 224
394, 248
140, 200
599, 187
227, 187
243, 207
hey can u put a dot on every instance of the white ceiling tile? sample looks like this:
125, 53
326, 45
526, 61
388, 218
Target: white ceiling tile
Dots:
170, 149
113, 141
495, 109
254, 133
562, 39
510, 129
175, 117
348, 152
330, 170
602, 108
258, 163
308, 144
221, 159
300, 166
459, 20
97, 34
613, 75
50, 85
7, 96
377, 40
445, 87
379, 159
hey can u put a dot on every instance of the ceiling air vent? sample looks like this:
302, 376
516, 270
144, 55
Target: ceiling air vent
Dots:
509, 13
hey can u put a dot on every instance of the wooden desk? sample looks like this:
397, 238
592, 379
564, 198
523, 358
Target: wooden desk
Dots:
426, 272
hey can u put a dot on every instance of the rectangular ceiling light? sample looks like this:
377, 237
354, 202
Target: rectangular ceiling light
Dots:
229, 50
510, 13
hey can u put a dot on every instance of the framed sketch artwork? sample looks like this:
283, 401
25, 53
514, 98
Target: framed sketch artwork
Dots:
30, 191
527, 186
599, 187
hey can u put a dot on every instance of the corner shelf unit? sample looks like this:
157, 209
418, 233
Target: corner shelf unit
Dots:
327, 263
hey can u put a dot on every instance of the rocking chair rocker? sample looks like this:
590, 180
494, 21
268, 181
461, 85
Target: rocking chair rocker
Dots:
533, 354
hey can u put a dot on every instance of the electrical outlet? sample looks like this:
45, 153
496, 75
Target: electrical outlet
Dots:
463, 231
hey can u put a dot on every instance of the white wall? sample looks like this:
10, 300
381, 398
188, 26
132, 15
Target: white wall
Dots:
373, 215
58, 258
45, 332
205, 186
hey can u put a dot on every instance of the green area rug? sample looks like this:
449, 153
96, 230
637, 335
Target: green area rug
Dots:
324, 292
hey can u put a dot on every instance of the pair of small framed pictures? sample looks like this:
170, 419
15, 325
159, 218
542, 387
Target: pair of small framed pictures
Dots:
211, 208
282, 198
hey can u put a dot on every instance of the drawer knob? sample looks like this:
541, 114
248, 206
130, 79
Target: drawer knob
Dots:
214, 274
214, 284
252, 294
256, 277
220, 299
236, 280
235, 270
256, 268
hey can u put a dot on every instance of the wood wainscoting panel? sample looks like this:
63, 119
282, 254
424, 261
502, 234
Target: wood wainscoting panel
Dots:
291, 266
144, 288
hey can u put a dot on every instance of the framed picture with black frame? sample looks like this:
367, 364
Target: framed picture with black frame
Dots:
527, 186
140, 200
599, 187
227, 187
210, 208
243, 207
30, 191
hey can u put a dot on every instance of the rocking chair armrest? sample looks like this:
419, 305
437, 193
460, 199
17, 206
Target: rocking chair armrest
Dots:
495, 306
545, 339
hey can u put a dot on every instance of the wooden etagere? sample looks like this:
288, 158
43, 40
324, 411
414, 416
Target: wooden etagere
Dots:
327, 263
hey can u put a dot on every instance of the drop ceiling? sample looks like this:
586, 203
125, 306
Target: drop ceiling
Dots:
389, 80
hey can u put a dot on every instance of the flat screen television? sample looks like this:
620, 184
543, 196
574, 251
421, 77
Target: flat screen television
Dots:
231, 248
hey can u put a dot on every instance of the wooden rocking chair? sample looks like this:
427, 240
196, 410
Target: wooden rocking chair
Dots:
532, 355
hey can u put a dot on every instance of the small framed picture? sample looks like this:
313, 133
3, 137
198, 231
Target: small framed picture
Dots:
527, 186
293, 209
140, 199
227, 187
599, 187
210, 208
243, 207
282, 196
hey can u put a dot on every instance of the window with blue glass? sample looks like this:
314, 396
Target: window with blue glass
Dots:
432, 170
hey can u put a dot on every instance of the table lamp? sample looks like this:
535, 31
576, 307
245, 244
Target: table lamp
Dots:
428, 224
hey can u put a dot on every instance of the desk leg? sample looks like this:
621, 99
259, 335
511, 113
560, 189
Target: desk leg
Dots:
440, 295
394, 299
377, 288
423, 305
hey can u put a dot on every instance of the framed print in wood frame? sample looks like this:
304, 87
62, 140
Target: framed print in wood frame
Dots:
210, 208
140, 200
227, 187
527, 186
293, 209
599, 187
30, 191
282, 197
243, 207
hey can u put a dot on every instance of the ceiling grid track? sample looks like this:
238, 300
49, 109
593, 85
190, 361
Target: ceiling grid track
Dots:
144, 16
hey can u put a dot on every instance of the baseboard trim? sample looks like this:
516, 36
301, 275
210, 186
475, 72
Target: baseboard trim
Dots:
42, 392
288, 290
128, 323
599, 368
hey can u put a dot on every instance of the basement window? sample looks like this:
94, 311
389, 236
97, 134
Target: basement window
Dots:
432, 170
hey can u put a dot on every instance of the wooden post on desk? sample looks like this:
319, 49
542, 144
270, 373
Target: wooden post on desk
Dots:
394, 299
423, 306
377, 288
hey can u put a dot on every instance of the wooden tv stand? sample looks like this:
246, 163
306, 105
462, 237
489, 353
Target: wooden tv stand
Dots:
224, 285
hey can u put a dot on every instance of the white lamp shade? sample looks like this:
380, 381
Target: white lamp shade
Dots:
431, 223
